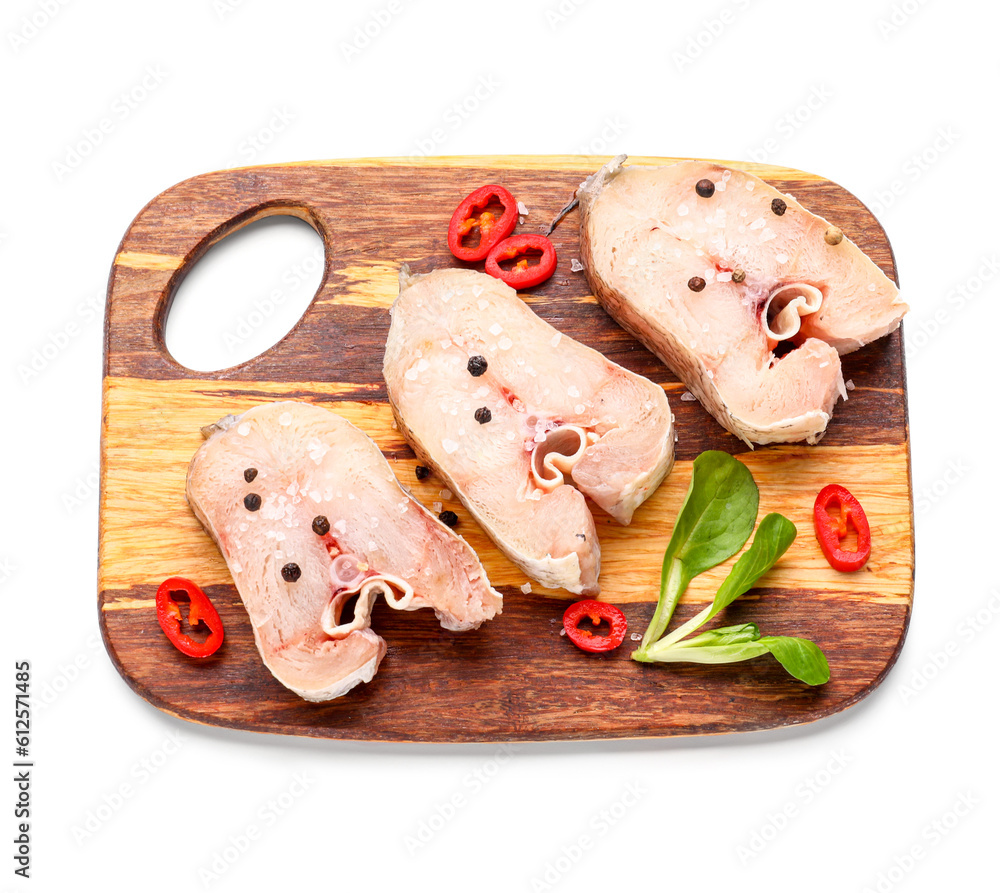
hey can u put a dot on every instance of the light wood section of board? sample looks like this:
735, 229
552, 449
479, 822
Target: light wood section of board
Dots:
588, 163
148, 532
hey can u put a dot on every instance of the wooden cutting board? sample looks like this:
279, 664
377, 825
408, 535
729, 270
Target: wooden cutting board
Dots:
516, 678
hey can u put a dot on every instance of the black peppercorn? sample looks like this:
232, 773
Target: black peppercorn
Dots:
321, 525
448, 517
778, 206
422, 471
249, 474
477, 366
291, 572
483, 415
696, 283
705, 188
251, 501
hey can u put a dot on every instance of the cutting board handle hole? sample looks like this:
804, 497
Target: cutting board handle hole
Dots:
245, 293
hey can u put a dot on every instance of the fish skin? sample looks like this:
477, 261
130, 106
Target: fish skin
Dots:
305, 456
539, 379
653, 216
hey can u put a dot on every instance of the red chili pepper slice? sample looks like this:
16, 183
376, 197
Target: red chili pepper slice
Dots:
596, 611
472, 213
831, 529
200, 610
523, 274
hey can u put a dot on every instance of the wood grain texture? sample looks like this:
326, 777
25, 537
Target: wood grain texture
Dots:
516, 678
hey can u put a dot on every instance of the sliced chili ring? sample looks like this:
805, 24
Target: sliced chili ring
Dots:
472, 212
200, 610
832, 529
522, 274
595, 611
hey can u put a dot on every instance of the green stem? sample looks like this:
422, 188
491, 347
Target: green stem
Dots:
689, 627
673, 581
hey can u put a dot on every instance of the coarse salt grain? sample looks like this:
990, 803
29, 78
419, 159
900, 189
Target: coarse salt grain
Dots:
482, 303
445, 494
285, 418
505, 343
340, 527
449, 446
849, 385
436, 507
575, 265
688, 397
767, 235
759, 223
496, 328
521, 209
243, 429
556, 338
573, 391
526, 588
580, 408
477, 290
682, 210
411, 374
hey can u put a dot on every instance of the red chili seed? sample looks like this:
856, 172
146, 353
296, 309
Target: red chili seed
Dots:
696, 283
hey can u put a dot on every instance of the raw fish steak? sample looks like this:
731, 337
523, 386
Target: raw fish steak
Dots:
522, 422
712, 269
308, 515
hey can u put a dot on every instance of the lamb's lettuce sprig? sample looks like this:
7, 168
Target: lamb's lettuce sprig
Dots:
714, 523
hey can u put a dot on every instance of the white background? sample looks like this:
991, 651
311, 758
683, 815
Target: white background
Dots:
894, 100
